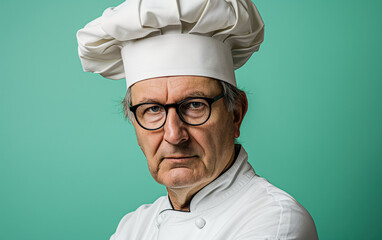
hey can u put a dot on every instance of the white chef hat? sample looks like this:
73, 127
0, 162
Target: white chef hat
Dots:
142, 39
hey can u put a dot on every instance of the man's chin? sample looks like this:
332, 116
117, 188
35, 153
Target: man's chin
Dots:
178, 178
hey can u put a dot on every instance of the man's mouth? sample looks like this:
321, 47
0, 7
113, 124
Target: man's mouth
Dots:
179, 158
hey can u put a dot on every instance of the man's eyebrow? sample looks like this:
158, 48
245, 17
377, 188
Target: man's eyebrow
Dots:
196, 94
153, 100
144, 100
147, 100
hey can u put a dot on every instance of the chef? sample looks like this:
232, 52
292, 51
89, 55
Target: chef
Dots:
178, 59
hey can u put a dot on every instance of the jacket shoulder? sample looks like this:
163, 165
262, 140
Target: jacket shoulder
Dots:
131, 222
275, 214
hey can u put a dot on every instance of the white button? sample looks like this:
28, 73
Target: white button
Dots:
200, 223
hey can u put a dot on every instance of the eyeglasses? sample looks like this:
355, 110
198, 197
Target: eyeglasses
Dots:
193, 111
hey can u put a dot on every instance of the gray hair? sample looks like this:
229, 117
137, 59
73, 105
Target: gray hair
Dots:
232, 99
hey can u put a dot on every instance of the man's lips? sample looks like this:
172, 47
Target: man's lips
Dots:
178, 158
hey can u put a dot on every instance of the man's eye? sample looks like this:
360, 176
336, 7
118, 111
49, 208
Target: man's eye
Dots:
150, 109
195, 104
154, 109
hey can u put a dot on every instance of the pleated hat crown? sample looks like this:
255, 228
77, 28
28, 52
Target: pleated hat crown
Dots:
143, 39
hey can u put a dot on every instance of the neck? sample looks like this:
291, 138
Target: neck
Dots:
181, 198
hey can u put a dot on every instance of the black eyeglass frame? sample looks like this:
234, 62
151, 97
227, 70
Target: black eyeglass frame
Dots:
210, 101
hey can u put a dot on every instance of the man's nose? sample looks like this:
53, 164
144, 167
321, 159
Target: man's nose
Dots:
174, 128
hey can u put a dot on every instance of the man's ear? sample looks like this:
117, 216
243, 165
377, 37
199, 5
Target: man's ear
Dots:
239, 113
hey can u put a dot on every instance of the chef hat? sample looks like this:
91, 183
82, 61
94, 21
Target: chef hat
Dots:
142, 39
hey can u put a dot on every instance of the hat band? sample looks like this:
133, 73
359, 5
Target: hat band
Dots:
177, 54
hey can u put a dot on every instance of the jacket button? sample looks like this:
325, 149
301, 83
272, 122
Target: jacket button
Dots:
200, 223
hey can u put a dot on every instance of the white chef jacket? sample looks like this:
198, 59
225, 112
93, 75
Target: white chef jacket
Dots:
237, 205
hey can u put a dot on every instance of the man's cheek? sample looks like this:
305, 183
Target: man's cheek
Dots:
137, 134
145, 143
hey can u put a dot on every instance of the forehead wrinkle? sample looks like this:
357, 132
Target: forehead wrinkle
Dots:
153, 90
172, 89
182, 87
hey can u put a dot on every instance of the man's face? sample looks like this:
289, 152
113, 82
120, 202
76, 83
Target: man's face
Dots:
180, 155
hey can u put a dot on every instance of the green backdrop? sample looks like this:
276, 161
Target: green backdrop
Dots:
70, 167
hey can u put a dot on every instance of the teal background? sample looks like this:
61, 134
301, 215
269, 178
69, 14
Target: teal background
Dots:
70, 167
